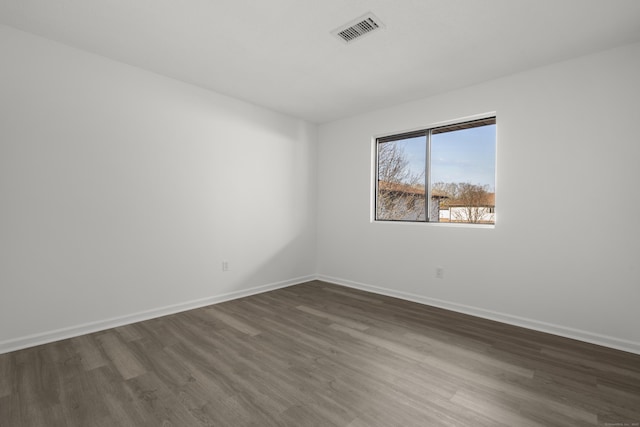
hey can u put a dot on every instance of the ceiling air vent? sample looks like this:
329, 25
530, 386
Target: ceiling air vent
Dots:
358, 28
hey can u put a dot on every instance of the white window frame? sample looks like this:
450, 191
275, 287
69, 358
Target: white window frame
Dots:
428, 193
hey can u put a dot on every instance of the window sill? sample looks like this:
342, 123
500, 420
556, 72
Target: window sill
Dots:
436, 224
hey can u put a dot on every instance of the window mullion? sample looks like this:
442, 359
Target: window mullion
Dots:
427, 178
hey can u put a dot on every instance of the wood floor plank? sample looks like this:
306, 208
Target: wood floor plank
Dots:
447, 350
7, 375
233, 322
352, 294
37, 385
82, 398
89, 351
337, 319
159, 402
121, 356
10, 411
319, 354
129, 332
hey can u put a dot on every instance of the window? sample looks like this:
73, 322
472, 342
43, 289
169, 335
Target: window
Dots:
442, 174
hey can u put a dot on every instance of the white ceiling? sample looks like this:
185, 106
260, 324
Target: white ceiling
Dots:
280, 53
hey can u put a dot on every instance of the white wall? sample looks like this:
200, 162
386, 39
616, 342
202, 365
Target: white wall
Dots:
122, 191
567, 137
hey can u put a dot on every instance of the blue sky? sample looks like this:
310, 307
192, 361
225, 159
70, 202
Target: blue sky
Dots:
466, 155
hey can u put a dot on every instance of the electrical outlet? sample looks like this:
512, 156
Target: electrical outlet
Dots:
439, 272
225, 265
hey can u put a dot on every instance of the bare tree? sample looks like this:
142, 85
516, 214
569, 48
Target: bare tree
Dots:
401, 192
466, 202
474, 203
449, 189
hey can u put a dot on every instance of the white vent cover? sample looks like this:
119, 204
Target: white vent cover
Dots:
358, 28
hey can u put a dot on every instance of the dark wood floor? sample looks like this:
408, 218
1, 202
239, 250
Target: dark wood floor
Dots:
319, 355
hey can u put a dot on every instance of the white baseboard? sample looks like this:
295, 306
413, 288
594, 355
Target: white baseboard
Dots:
100, 325
563, 331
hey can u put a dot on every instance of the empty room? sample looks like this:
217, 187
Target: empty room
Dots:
300, 213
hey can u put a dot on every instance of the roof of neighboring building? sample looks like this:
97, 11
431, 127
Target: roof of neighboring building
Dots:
417, 190
488, 201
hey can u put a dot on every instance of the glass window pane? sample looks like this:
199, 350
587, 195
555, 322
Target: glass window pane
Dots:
401, 179
463, 173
